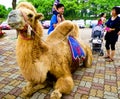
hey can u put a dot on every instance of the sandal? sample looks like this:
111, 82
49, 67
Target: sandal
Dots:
110, 60
106, 57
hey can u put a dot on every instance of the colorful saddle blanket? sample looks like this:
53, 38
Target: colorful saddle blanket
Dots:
76, 49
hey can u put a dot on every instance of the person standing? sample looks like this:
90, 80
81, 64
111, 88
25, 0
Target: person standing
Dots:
56, 18
119, 16
111, 37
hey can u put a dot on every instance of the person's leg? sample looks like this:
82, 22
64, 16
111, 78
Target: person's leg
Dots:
112, 50
112, 54
107, 45
111, 59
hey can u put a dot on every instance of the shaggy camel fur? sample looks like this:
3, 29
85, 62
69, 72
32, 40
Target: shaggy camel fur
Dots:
37, 57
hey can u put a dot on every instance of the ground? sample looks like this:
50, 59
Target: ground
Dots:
102, 81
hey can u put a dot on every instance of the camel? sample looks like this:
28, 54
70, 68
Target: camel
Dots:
37, 57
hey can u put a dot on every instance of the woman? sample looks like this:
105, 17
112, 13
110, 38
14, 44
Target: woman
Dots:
111, 37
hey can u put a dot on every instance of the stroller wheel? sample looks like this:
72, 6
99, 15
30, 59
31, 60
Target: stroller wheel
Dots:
101, 53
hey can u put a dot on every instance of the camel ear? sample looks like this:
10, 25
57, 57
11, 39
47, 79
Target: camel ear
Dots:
39, 16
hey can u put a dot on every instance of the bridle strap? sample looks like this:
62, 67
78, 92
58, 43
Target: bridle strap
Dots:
25, 27
25, 38
24, 16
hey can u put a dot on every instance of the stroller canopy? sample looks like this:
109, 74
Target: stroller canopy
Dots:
97, 31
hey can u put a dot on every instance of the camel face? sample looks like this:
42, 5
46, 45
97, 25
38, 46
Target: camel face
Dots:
15, 19
20, 18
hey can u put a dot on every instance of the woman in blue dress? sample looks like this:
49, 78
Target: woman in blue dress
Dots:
111, 37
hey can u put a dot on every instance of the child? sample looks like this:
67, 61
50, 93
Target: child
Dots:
56, 19
102, 19
54, 9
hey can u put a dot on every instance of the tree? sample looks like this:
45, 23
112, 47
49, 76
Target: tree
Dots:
99, 6
76, 9
3, 11
13, 4
43, 6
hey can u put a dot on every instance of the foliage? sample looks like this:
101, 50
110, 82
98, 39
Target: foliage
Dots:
74, 9
43, 6
98, 6
77, 9
3, 11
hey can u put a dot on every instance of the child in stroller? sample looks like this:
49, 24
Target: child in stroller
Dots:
97, 39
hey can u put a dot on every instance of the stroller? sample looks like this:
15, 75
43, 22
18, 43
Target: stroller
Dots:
97, 39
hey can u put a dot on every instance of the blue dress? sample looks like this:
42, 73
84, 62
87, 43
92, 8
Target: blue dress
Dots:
113, 35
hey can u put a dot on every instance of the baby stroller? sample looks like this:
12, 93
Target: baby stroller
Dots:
97, 39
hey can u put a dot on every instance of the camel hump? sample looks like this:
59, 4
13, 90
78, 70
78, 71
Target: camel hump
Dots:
62, 31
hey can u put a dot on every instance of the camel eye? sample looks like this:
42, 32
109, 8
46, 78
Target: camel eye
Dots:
30, 15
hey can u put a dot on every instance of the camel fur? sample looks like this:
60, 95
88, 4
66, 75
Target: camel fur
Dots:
37, 57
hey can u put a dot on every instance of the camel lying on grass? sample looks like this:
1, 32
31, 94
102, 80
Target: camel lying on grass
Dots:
37, 57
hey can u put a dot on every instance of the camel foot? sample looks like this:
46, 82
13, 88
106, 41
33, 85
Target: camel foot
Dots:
29, 90
26, 92
56, 95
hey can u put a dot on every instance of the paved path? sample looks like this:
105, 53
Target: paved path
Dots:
102, 81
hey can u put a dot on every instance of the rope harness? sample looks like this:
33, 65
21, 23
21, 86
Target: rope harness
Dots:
27, 28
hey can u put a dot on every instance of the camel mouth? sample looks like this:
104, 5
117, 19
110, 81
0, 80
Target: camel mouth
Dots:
14, 25
17, 25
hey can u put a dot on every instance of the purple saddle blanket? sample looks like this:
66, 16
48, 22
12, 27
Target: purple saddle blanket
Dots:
76, 49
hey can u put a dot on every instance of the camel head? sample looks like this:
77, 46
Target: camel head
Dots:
25, 15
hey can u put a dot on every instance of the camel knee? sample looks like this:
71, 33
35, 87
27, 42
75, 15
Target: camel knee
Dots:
65, 84
89, 58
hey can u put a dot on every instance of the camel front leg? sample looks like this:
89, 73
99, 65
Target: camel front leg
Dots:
31, 88
63, 85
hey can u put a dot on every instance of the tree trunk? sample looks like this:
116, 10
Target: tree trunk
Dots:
14, 4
